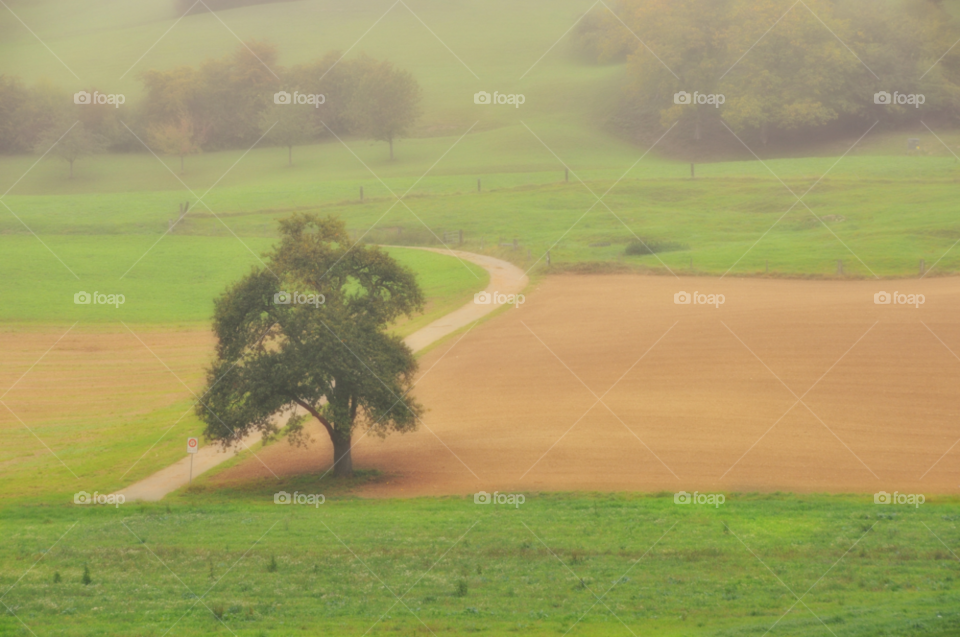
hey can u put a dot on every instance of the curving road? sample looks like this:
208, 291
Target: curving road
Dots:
505, 278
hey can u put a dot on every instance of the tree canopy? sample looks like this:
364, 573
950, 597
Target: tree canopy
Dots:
323, 348
781, 69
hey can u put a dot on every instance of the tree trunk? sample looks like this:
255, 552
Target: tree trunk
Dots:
71, 169
343, 461
391, 149
181, 164
289, 155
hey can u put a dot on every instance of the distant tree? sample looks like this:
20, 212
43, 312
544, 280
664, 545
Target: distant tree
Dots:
334, 359
25, 113
386, 103
779, 71
73, 145
290, 125
14, 98
179, 139
171, 93
236, 90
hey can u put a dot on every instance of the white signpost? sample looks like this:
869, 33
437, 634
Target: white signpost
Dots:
193, 446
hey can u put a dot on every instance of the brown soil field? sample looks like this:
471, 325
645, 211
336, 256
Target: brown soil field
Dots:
604, 383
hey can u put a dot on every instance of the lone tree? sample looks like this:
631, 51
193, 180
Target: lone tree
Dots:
331, 356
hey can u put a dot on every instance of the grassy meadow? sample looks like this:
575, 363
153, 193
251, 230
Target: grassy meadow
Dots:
579, 564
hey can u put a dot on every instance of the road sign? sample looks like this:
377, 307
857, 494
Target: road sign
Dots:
193, 445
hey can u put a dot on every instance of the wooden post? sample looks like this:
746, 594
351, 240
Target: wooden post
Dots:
566, 175
692, 174
169, 225
514, 244
548, 258
923, 267
191, 468
186, 207
478, 185
839, 267
361, 194
461, 237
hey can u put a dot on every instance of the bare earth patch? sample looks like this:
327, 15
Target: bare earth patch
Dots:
604, 383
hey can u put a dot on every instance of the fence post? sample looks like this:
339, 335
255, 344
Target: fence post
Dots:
361, 194
840, 267
548, 258
566, 175
514, 244
923, 267
478, 185
692, 174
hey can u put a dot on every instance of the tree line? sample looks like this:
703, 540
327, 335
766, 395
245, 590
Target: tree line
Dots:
815, 70
223, 103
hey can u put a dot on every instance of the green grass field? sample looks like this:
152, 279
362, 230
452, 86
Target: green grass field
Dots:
657, 567
178, 279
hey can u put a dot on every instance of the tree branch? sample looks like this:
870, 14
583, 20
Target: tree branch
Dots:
316, 414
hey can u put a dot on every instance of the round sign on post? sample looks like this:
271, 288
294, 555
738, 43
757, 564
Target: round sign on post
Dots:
193, 444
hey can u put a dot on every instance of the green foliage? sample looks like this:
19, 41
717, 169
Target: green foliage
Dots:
57, 579
86, 580
330, 354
